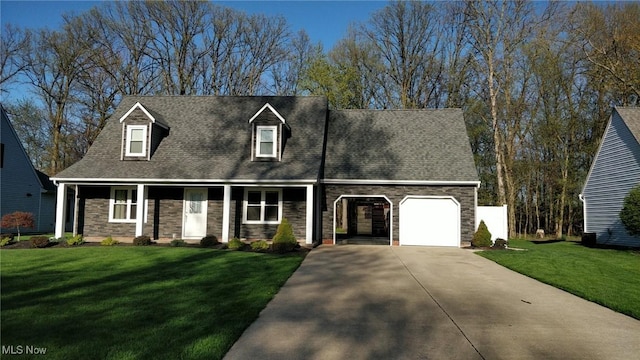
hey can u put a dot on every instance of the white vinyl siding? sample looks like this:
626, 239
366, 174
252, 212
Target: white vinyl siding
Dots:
262, 206
266, 141
136, 140
615, 171
21, 189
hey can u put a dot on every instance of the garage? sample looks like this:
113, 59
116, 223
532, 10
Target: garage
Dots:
429, 221
362, 220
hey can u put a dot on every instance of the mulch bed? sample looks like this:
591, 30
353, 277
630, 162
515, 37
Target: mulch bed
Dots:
26, 244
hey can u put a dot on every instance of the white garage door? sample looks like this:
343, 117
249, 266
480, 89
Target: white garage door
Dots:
430, 221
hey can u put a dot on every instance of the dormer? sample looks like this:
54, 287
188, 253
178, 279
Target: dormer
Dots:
141, 133
269, 133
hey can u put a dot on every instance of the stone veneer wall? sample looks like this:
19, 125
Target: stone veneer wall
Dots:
293, 208
465, 195
96, 215
165, 209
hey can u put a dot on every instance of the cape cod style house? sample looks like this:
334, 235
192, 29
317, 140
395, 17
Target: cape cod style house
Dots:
188, 166
614, 172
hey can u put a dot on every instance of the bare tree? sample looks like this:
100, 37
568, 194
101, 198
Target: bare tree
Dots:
33, 129
497, 31
406, 38
287, 74
609, 39
53, 67
176, 31
14, 43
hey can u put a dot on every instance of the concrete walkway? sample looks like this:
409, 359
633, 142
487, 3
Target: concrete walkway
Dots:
381, 302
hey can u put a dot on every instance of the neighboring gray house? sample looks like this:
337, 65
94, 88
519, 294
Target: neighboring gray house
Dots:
22, 187
614, 172
188, 166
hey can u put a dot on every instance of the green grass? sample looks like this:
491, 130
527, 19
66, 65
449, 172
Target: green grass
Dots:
608, 277
135, 302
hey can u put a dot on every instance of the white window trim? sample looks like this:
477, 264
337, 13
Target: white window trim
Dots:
263, 192
274, 153
112, 201
144, 129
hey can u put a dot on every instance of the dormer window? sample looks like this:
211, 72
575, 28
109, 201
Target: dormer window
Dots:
142, 133
136, 140
269, 133
266, 141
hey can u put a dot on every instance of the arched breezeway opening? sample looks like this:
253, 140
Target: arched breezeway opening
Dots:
362, 219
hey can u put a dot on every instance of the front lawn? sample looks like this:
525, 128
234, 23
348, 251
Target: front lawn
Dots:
607, 277
134, 302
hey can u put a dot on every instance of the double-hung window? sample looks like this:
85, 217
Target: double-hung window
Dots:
136, 140
123, 204
266, 141
263, 206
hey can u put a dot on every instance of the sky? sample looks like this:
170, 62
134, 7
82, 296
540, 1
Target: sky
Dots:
324, 21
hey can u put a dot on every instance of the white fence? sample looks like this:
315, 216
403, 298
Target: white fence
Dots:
495, 217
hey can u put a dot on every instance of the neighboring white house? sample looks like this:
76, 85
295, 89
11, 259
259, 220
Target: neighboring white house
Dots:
614, 172
22, 187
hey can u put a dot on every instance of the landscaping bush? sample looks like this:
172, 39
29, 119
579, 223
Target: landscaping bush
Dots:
178, 243
54, 240
630, 214
5, 241
8, 235
500, 244
142, 240
209, 240
76, 240
260, 245
39, 241
235, 244
482, 237
284, 240
109, 242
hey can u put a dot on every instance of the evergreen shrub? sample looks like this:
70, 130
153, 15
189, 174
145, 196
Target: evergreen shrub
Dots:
208, 241
630, 214
142, 240
39, 241
482, 237
284, 240
108, 241
260, 245
235, 244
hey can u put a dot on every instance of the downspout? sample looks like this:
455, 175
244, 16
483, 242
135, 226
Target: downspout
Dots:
40, 209
76, 205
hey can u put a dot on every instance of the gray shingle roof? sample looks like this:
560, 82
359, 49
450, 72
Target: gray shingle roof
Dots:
399, 145
631, 117
209, 138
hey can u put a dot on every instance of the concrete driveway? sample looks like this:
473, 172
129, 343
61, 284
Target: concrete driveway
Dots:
382, 302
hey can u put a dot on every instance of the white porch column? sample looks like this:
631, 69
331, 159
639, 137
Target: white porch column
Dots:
76, 209
140, 210
226, 212
309, 224
61, 207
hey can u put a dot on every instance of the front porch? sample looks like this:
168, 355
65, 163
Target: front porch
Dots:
188, 211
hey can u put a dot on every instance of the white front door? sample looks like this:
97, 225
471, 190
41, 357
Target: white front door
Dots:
195, 213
